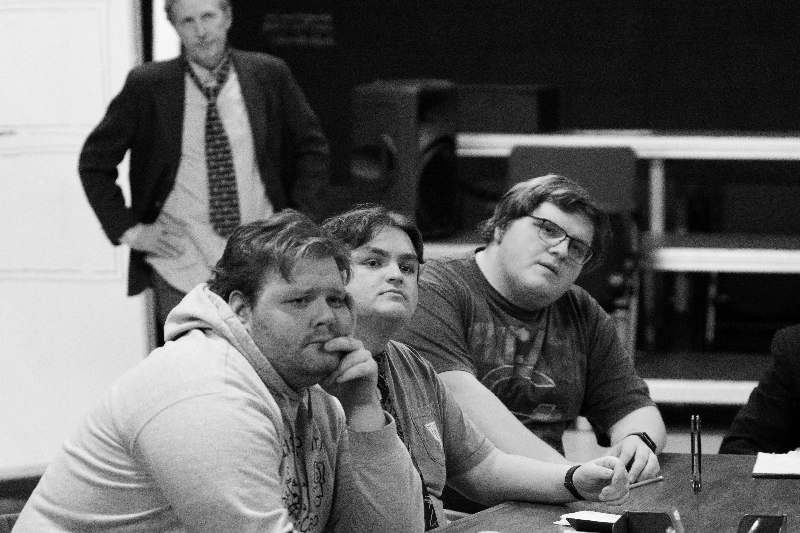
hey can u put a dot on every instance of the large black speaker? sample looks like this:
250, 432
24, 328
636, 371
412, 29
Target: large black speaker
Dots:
404, 150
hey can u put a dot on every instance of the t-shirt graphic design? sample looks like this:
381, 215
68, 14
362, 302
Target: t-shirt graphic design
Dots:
518, 376
305, 473
434, 431
548, 366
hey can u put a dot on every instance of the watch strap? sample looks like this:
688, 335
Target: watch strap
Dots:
570, 484
646, 439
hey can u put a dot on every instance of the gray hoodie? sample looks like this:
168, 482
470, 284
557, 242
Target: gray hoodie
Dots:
204, 435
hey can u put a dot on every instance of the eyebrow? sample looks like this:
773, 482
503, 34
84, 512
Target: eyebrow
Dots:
383, 253
295, 291
371, 250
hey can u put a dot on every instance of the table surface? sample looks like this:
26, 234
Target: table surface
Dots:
729, 492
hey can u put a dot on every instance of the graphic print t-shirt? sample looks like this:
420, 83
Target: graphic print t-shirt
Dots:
547, 366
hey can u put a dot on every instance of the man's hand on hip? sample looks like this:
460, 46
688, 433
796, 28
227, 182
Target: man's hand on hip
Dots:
157, 239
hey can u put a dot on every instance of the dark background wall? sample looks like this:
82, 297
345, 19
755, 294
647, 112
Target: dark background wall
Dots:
649, 64
618, 63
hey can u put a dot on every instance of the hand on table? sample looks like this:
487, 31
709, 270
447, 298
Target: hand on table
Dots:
642, 463
603, 479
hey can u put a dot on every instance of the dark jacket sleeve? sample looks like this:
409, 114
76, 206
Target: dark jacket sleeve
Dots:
306, 154
768, 422
102, 152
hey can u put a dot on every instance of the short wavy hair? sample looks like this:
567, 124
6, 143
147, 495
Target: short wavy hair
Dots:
360, 225
521, 199
273, 245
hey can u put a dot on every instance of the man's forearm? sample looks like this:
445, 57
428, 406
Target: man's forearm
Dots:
645, 419
495, 420
502, 477
511, 436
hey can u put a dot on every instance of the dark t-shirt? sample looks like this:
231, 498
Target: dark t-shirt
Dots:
547, 366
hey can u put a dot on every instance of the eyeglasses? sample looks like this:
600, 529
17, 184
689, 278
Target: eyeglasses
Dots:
552, 234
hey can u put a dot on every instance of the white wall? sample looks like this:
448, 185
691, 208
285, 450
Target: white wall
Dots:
166, 44
67, 330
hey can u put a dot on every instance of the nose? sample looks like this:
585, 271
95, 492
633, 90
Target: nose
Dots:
338, 319
394, 273
199, 29
323, 313
562, 248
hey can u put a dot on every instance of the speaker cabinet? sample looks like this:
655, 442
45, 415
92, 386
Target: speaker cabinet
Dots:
404, 150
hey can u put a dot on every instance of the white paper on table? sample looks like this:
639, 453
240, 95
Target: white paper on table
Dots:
592, 516
777, 464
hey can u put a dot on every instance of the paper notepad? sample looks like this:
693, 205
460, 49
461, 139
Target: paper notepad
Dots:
589, 521
777, 464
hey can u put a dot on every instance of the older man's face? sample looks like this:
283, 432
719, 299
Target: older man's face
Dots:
203, 28
291, 320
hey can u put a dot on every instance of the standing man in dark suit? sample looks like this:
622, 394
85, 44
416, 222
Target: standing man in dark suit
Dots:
768, 421
217, 137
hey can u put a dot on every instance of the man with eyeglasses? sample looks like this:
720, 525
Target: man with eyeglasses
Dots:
522, 348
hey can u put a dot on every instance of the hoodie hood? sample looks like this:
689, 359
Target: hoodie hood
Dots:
203, 309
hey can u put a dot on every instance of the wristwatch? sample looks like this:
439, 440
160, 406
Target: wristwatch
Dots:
570, 485
645, 438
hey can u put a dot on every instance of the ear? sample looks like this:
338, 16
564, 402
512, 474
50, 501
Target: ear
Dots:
498, 234
241, 306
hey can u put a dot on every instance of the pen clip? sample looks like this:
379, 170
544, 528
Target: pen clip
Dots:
697, 453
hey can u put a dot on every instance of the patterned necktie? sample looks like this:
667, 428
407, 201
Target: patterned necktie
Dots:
223, 198
431, 522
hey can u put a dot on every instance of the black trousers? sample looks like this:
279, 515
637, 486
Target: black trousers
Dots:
165, 297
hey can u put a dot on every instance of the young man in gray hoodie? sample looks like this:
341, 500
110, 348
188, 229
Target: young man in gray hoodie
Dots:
225, 428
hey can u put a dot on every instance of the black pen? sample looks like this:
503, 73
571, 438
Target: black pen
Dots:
697, 452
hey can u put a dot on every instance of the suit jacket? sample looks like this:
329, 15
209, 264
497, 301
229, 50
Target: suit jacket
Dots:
146, 117
769, 422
